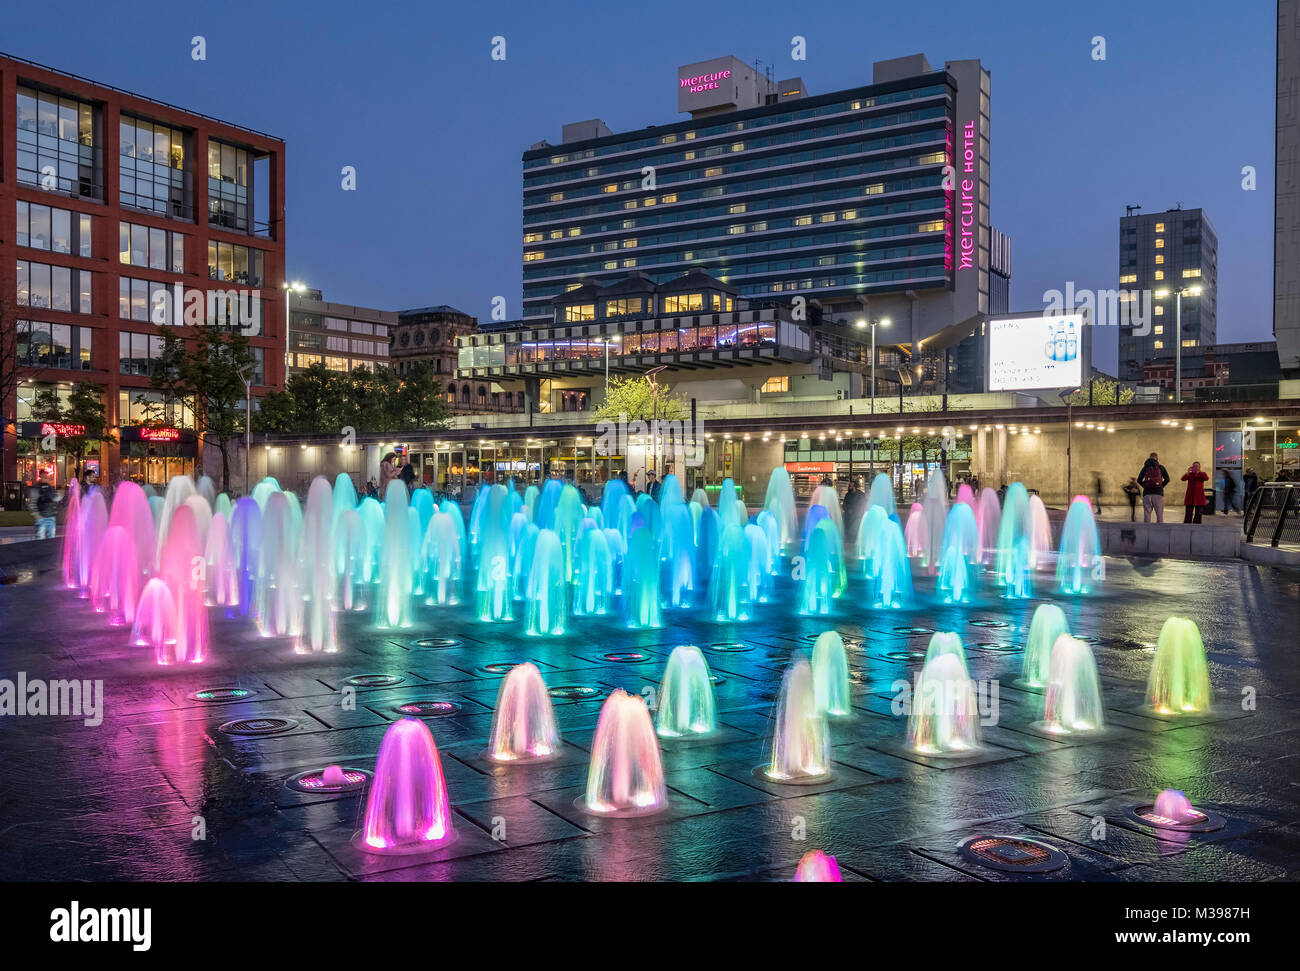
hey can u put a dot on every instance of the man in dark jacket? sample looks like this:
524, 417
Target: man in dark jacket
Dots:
1153, 478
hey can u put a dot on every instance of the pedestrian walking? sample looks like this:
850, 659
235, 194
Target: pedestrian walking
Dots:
1153, 478
1230, 500
45, 503
1132, 489
1194, 497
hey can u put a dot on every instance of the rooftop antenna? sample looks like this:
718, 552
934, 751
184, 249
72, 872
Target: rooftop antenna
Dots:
1132, 209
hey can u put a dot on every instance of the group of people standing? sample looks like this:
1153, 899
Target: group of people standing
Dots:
1150, 484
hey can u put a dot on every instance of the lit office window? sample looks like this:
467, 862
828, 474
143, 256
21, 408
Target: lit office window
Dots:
1191, 273
803, 220
1160, 310
1129, 278
670, 197
683, 303
229, 205
1160, 274
775, 385
711, 172
874, 189
1160, 243
532, 238
736, 230
1160, 258
579, 312
58, 135
534, 255
623, 307
1190, 343
1160, 227
54, 229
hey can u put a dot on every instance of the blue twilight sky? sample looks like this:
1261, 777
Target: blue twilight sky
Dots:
408, 93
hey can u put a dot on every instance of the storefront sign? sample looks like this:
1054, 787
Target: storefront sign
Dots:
40, 429
160, 434
809, 468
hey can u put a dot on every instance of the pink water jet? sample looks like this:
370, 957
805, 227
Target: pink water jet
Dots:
115, 579
72, 535
523, 727
92, 523
183, 568
131, 512
626, 775
407, 810
915, 533
334, 777
1174, 804
817, 867
155, 621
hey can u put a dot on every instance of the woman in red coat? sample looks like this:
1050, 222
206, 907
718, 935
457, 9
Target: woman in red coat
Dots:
1194, 499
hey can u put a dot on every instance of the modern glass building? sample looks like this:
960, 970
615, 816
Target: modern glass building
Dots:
1161, 253
873, 201
121, 213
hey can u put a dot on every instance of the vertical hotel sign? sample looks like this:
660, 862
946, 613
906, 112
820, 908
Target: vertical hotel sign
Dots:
967, 211
951, 185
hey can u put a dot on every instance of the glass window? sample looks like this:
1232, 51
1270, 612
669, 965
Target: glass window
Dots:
56, 144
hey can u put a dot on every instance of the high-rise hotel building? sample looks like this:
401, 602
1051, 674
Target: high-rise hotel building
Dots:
870, 202
117, 213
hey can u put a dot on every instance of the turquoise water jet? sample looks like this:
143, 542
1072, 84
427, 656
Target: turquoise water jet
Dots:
1047, 625
1072, 701
830, 668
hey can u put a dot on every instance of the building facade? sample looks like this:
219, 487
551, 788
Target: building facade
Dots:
119, 213
869, 203
1160, 253
430, 334
339, 336
1286, 189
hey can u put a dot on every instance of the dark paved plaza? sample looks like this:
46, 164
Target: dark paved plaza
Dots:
126, 800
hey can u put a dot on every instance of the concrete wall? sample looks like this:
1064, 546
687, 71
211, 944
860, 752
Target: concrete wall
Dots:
1039, 461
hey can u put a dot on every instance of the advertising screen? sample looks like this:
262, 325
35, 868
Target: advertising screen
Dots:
1028, 353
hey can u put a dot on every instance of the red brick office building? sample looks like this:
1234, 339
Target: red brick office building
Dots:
118, 212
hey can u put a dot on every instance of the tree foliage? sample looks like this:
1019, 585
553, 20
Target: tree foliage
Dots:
323, 401
1104, 391
633, 397
85, 407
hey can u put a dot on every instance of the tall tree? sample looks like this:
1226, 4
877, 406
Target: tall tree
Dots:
213, 375
85, 410
634, 397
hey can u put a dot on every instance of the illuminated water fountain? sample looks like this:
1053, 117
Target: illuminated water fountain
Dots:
685, 705
316, 567
626, 775
548, 587
407, 810
960, 554
1180, 677
779, 501
641, 606
799, 752
594, 592
830, 668
1080, 567
1072, 701
523, 726
395, 574
115, 579
944, 716
817, 867
729, 588
1047, 625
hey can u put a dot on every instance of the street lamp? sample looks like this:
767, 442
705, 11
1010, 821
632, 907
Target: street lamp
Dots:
289, 290
1067, 396
1194, 291
883, 322
248, 420
654, 424
607, 341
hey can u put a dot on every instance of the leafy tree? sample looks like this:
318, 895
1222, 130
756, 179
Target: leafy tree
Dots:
322, 401
633, 397
167, 378
85, 407
214, 376
1102, 391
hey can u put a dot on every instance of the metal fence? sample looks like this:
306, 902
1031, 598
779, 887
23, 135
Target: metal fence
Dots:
1273, 515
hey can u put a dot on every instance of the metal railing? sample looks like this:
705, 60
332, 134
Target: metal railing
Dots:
1273, 514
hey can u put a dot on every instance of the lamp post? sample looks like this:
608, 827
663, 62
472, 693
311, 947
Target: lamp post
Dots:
1065, 396
607, 341
289, 290
654, 424
1178, 293
248, 421
882, 322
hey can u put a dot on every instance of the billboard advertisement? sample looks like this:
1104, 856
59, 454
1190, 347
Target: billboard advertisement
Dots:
1035, 353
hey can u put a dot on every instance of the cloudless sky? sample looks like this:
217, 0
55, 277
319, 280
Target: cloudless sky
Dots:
408, 93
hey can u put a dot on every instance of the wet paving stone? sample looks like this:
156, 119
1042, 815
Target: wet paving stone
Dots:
129, 790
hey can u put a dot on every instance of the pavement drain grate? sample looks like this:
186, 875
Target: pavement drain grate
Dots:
434, 643
374, 680
1199, 822
989, 623
259, 726
222, 694
498, 667
913, 630
427, 709
1012, 854
626, 657
570, 692
314, 781
728, 647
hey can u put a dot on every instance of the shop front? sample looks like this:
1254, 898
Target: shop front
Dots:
154, 455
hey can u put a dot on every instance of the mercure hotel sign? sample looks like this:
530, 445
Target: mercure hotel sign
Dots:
703, 82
